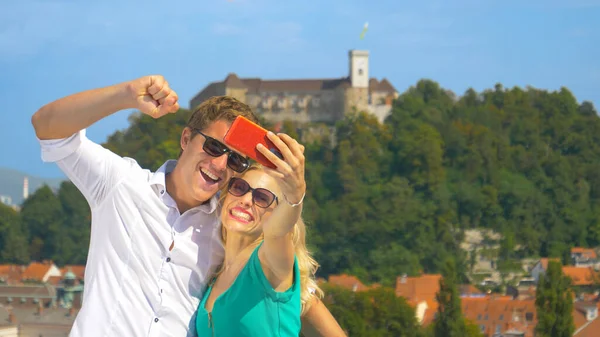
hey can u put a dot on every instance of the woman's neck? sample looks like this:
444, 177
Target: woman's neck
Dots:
237, 244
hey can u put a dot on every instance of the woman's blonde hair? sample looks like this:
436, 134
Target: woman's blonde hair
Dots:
309, 289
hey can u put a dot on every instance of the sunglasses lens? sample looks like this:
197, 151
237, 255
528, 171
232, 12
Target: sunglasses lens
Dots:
214, 148
237, 163
263, 198
238, 187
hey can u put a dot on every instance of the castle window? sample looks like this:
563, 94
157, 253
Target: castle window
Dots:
360, 71
316, 101
266, 102
281, 102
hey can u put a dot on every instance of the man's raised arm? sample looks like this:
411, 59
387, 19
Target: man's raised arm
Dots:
66, 116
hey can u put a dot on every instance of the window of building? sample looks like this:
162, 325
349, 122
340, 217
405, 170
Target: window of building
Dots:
316, 101
529, 316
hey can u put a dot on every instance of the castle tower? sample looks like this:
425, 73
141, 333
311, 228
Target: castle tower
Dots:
359, 68
25, 188
357, 95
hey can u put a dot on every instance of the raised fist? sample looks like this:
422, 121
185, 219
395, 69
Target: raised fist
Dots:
153, 95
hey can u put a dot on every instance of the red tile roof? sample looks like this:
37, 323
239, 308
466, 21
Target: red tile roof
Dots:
501, 313
36, 271
348, 281
258, 85
585, 252
420, 288
581, 276
11, 273
589, 329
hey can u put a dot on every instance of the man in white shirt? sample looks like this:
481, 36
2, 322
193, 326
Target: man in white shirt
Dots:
155, 237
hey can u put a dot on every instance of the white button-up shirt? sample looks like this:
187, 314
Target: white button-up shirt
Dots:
135, 285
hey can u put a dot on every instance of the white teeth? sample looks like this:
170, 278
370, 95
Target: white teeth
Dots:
241, 215
209, 174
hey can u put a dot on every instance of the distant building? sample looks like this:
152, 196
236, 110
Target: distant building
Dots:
309, 100
6, 199
351, 282
420, 293
39, 299
584, 257
25, 188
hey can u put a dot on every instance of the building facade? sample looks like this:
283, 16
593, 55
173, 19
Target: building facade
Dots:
309, 100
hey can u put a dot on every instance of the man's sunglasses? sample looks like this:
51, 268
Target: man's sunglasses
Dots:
215, 148
261, 197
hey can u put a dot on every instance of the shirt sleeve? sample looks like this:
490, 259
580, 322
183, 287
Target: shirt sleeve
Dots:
92, 168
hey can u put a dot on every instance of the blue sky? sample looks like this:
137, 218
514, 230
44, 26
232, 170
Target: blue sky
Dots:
49, 49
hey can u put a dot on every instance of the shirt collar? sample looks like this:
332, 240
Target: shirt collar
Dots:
158, 180
159, 177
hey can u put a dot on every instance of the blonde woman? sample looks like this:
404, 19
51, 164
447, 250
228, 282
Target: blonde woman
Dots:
266, 281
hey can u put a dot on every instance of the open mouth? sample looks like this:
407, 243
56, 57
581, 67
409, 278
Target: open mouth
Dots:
209, 177
240, 215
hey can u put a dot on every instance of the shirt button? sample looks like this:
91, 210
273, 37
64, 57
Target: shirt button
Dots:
156, 319
168, 259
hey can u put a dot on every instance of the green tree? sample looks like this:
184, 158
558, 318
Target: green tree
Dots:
13, 242
374, 313
554, 303
75, 229
42, 215
450, 321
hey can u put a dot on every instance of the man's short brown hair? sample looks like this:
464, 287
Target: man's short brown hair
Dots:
225, 108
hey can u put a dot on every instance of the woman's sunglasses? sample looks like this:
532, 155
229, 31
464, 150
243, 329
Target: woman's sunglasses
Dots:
215, 148
261, 197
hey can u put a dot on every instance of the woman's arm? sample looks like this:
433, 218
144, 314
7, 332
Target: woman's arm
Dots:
277, 252
319, 322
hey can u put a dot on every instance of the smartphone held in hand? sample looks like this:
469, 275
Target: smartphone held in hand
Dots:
244, 135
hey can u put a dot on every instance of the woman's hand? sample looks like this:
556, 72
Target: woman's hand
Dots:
290, 169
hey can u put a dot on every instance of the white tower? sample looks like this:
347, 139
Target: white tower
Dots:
25, 188
359, 68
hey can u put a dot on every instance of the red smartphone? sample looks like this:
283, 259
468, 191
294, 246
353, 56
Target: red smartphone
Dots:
244, 135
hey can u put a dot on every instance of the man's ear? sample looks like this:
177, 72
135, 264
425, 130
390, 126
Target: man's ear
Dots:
186, 138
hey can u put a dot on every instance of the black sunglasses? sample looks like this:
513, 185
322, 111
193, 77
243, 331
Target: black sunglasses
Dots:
215, 148
261, 197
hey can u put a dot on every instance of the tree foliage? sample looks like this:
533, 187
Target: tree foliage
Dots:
374, 313
554, 303
390, 198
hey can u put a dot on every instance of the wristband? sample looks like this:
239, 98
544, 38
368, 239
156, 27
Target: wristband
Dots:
296, 204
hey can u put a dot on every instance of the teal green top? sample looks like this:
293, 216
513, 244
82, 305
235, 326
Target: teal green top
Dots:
251, 307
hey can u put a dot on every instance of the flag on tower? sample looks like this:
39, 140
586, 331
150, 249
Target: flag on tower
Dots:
364, 31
